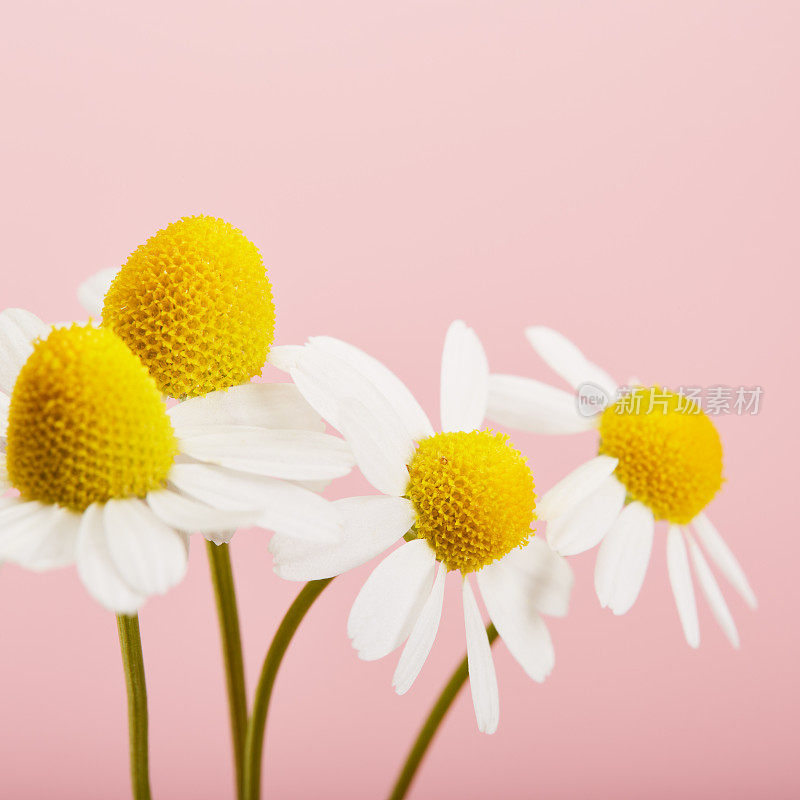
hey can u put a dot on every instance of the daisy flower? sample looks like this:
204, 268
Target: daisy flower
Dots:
460, 500
96, 470
660, 458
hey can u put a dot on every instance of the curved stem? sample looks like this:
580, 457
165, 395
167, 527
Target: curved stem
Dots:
255, 729
130, 644
428, 730
219, 559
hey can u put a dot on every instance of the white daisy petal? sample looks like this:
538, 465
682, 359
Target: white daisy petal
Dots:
92, 292
4, 481
5, 404
521, 627
371, 525
585, 525
18, 520
325, 380
722, 556
261, 405
568, 361
529, 405
150, 556
482, 677
382, 450
18, 330
293, 455
680, 579
712, 592
391, 599
388, 384
421, 638
578, 485
623, 558
192, 516
547, 576
285, 357
465, 380
97, 569
285, 508
47, 541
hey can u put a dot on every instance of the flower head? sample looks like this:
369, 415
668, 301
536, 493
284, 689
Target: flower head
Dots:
463, 500
107, 477
195, 304
660, 458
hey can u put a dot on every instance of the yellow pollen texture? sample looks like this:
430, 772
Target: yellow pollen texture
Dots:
474, 496
670, 454
86, 422
195, 304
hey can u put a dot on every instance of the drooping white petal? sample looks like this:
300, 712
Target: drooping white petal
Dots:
5, 404
518, 622
721, 555
371, 525
150, 556
391, 599
97, 570
529, 405
547, 576
680, 579
5, 483
325, 380
18, 330
464, 381
585, 525
563, 357
192, 516
48, 541
623, 558
20, 519
292, 455
712, 592
92, 292
482, 677
393, 389
576, 486
285, 357
422, 636
382, 448
261, 405
285, 507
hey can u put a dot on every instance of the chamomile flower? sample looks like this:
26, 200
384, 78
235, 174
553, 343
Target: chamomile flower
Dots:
96, 470
660, 458
463, 500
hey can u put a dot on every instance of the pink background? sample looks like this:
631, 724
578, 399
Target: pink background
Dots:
625, 171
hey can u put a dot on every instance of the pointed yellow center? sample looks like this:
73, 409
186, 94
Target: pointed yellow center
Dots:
195, 304
86, 422
474, 496
670, 455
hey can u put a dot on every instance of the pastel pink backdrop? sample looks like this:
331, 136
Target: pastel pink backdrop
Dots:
626, 172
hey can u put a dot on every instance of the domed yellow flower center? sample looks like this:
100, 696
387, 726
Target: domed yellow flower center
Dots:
86, 422
670, 455
474, 496
194, 303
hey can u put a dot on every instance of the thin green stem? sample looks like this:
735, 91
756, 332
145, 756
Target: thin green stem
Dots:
428, 730
219, 559
254, 745
130, 644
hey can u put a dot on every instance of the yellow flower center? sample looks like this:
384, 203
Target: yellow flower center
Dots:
474, 496
670, 455
195, 304
86, 422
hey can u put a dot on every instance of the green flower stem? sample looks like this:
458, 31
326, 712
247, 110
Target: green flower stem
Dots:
219, 559
254, 745
428, 731
130, 644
